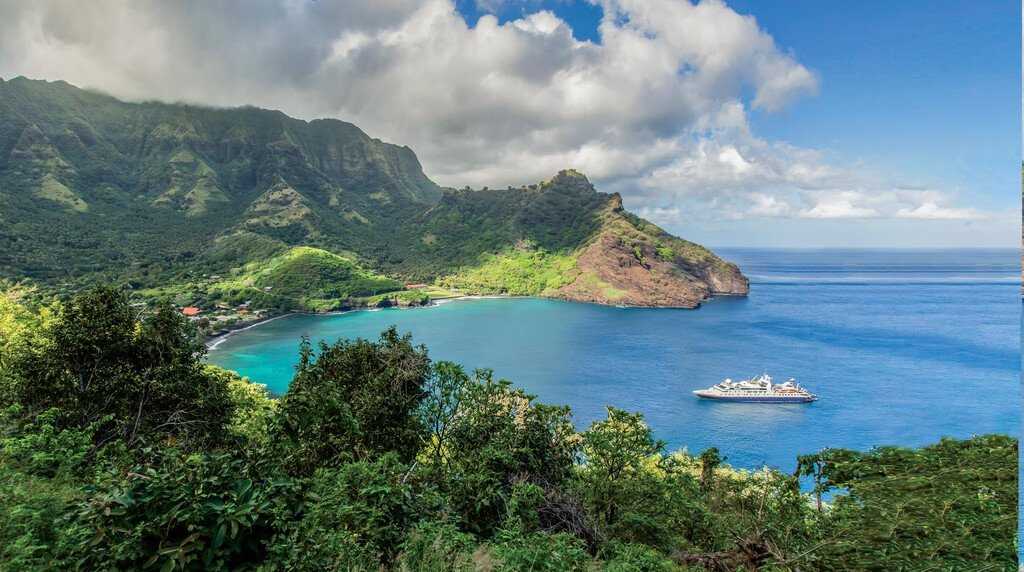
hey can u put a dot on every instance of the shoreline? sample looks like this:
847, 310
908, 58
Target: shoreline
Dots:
213, 341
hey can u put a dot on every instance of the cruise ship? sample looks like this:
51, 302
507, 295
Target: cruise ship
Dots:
758, 389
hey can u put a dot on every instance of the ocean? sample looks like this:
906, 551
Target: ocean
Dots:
902, 347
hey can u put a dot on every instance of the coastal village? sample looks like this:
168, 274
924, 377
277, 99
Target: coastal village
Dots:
220, 318
223, 318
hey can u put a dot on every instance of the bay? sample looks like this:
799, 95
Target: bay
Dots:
903, 347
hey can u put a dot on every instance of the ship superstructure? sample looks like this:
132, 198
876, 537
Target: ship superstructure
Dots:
758, 389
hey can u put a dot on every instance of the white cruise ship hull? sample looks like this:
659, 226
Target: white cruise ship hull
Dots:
753, 398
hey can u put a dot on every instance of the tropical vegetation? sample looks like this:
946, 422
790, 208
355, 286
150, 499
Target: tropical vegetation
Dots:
301, 278
120, 448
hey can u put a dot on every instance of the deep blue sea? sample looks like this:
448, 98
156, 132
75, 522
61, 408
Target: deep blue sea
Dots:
903, 347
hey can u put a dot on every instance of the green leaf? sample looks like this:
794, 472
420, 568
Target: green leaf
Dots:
243, 486
218, 537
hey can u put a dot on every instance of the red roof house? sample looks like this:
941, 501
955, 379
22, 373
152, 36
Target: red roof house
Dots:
190, 311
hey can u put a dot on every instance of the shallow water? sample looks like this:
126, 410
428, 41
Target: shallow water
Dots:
903, 347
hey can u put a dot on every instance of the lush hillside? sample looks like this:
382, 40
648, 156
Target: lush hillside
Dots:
302, 278
92, 188
563, 239
92, 184
522, 271
121, 450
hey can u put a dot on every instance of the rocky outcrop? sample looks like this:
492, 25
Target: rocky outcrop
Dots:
632, 262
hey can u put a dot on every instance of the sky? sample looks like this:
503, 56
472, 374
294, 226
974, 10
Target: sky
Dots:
793, 123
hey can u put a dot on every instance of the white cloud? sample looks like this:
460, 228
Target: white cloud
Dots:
932, 211
720, 170
657, 110
844, 204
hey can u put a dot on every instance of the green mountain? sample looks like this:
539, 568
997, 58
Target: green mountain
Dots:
563, 239
152, 193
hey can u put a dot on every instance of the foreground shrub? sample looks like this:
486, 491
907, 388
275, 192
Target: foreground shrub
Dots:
540, 552
954, 502
325, 551
633, 492
34, 526
194, 512
437, 547
144, 378
625, 557
369, 503
37, 445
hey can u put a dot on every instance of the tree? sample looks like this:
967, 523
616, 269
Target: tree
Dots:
254, 408
709, 461
446, 390
814, 466
619, 445
494, 437
22, 330
614, 477
356, 400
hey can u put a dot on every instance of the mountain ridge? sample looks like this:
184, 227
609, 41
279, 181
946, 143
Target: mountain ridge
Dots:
92, 187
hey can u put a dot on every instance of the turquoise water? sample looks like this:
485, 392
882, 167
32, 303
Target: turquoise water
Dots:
903, 347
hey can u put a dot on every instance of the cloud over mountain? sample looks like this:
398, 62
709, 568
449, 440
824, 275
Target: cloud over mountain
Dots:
657, 110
